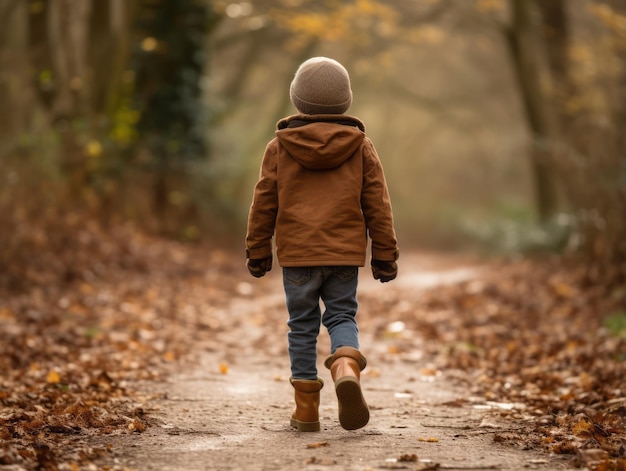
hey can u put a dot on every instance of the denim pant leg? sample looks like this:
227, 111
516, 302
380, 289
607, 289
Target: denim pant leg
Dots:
339, 295
302, 292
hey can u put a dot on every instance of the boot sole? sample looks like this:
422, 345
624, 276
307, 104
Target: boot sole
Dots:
353, 411
305, 426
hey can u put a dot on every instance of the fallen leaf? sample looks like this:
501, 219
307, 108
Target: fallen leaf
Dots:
53, 377
317, 445
137, 426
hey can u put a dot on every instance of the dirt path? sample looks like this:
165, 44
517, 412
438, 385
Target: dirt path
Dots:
229, 409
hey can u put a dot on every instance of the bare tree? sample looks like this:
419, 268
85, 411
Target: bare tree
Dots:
531, 74
591, 156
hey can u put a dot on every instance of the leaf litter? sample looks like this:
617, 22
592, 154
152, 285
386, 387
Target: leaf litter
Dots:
529, 341
81, 326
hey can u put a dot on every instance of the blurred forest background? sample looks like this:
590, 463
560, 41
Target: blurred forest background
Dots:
501, 123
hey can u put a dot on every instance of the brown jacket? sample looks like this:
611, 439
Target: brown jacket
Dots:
322, 190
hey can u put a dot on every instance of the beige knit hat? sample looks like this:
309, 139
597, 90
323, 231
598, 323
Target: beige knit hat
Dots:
321, 86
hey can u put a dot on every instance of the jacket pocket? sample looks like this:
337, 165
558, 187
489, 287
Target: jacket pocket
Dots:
346, 273
297, 275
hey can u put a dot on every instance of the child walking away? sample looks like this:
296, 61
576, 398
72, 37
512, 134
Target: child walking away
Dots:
321, 192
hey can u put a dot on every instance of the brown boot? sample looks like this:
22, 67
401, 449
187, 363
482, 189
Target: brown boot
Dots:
307, 393
345, 367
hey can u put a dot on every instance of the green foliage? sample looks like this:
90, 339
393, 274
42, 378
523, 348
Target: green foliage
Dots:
169, 63
616, 323
125, 117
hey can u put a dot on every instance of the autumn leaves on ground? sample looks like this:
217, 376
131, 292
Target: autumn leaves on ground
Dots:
82, 324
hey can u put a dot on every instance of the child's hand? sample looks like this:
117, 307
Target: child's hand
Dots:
384, 271
259, 267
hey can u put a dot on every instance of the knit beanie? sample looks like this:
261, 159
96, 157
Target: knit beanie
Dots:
321, 86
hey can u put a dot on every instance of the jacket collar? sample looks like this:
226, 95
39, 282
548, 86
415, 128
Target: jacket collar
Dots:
298, 120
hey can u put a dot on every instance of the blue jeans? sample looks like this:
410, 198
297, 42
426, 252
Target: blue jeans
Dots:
304, 287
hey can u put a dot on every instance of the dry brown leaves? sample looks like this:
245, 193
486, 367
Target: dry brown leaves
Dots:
84, 319
529, 334
81, 325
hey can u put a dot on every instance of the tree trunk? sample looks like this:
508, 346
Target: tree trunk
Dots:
68, 38
618, 255
108, 52
40, 54
530, 72
168, 92
592, 181
16, 94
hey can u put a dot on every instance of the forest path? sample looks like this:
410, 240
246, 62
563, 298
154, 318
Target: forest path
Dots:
229, 408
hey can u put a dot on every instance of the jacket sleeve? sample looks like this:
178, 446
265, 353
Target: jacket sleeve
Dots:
262, 215
376, 206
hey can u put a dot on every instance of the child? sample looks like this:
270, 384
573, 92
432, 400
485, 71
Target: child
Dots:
322, 191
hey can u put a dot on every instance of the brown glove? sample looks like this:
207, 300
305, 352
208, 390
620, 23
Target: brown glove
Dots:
384, 271
259, 267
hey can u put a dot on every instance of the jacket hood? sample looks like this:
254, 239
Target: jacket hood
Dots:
319, 142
